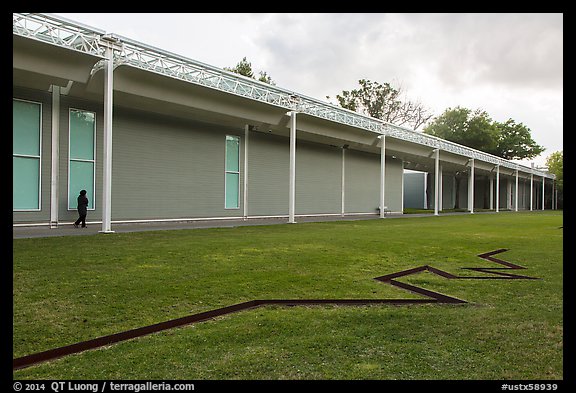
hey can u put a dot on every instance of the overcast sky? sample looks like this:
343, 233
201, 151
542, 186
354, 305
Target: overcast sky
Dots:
510, 65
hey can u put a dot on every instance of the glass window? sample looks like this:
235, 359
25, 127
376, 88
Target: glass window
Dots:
232, 175
82, 163
26, 125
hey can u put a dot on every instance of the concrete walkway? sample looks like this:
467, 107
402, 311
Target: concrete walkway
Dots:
93, 228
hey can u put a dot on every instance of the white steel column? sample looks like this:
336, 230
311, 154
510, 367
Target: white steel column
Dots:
107, 170
491, 191
292, 184
402, 188
343, 182
382, 175
497, 188
532, 188
543, 183
516, 198
440, 189
55, 159
436, 179
471, 187
245, 194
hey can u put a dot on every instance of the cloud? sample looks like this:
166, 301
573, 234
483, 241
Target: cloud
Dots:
509, 64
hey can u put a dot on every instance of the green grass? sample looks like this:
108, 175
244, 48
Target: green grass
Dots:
69, 289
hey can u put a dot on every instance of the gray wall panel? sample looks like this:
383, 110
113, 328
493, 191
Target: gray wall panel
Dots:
362, 182
318, 179
168, 168
268, 174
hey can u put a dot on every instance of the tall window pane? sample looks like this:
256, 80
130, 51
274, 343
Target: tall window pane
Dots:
25, 183
82, 139
232, 175
82, 153
26, 124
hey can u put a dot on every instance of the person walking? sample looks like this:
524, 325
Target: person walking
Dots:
82, 209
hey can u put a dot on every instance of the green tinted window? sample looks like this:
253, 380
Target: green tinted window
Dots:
25, 155
232, 190
81, 135
232, 175
25, 183
232, 153
82, 157
26, 128
81, 178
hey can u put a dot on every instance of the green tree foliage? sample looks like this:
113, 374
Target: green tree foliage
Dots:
382, 101
515, 141
244, 67
555, 164
475, 129
470, 128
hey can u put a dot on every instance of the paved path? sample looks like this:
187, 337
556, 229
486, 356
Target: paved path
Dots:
20, 232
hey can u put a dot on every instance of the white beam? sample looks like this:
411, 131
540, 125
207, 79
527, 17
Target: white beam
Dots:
245, 194
343, 183
292, 183
55, 159
471, 188
491, 191
382, 175
532, 189
440, 189
402, 188
516, 192
107, 164
497, 188
436, 180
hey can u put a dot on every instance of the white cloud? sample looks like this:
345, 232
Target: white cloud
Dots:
510, 65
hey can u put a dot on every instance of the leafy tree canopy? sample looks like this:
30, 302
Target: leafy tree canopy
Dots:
382, 101
475, 129
515, 141
244, 67
555, 164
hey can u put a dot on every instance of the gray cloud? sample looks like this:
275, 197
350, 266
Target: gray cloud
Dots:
508, 64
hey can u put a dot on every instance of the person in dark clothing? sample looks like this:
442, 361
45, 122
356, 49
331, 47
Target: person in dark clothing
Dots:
82, 209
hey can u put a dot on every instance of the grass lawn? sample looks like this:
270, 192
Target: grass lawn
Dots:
70, 289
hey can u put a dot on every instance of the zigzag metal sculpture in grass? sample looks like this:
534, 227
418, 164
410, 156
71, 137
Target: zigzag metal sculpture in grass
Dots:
431, 297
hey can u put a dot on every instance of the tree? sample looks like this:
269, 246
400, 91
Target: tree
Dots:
555, 164
382, 101
515, 141
468, 128
244, 67
465, 127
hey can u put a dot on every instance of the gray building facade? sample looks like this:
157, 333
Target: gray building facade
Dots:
154, 136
